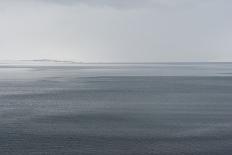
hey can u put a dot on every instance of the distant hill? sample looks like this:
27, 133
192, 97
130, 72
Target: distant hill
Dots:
52, 60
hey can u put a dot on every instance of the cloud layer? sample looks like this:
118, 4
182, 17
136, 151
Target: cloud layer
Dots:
116, 30
111, 3
130, 3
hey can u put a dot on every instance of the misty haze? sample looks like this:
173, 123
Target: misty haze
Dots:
115, 77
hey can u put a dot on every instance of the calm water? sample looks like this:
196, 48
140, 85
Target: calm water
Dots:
115, 109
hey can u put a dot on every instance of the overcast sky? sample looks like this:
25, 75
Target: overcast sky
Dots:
116, 30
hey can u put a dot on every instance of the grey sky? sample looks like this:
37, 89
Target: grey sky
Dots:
116, 30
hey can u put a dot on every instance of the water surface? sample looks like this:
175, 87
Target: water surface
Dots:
116, 109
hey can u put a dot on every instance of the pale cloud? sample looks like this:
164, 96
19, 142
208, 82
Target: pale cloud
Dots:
130, 4
116, 30
117, 3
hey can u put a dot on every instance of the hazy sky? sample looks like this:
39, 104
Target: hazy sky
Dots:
116, 30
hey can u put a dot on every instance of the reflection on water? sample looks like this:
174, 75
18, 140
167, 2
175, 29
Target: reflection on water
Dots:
163, 109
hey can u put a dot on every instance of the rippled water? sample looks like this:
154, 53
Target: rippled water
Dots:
116, 109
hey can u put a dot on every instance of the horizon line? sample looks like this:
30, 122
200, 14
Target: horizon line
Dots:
110, 62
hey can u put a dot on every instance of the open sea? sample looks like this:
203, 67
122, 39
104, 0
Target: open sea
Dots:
116, 109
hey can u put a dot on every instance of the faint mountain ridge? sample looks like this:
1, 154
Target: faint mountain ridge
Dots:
52, 61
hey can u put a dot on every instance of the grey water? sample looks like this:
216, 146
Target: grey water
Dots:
116, 109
